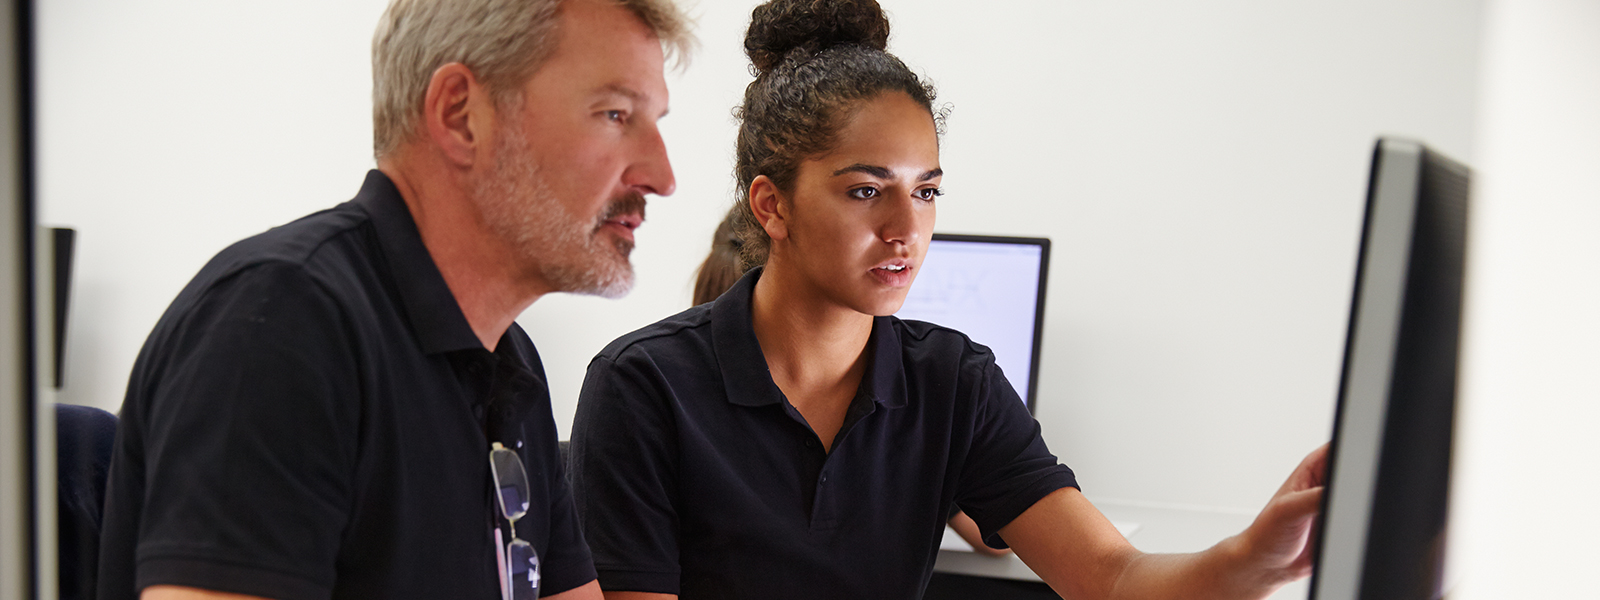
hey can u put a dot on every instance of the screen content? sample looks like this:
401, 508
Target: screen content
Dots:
986, 290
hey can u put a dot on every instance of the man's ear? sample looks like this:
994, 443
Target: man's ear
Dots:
771, 211
456, 112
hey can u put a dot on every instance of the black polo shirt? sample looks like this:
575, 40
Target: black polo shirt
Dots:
694, 475
311, 418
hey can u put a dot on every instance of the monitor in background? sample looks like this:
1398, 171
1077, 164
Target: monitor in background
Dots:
992, 289
1383, 515
61, 240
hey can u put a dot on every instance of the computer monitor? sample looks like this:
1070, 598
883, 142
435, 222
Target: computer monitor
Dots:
992, 289
1384, 510
24, 546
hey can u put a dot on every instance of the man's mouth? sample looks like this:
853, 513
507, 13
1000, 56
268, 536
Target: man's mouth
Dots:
629, 221
626, 211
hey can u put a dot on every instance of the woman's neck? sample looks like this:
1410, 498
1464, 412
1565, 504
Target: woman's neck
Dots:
811, 343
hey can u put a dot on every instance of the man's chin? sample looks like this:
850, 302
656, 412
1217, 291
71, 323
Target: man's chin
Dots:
616, 289
609, 281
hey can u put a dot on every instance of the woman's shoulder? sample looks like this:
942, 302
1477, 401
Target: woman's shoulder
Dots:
675, 334
922, 341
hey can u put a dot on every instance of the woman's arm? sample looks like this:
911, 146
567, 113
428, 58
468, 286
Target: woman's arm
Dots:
965, 527
639, 596
1080, 554
587, 591
175, 592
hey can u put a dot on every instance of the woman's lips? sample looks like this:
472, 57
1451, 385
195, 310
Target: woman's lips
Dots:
893, 275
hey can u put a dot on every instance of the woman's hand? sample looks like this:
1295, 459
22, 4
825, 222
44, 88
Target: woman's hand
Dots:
1278, 544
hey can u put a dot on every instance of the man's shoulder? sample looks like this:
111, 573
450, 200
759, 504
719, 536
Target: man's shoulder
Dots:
306, 260
322, 247
686, 329
298, 242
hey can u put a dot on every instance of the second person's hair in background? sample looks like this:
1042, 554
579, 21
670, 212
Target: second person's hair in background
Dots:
815, 61
721, 267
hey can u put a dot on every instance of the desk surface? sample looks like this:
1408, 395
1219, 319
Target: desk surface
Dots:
1159, 529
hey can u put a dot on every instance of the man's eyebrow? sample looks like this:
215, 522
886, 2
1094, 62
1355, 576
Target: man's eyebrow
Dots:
617, 89
882, 172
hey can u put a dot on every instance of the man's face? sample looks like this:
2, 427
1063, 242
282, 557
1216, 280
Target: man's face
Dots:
573, 160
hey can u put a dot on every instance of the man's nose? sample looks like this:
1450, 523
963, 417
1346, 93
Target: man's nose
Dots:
652, 171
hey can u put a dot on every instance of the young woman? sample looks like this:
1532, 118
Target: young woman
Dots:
720, 270
791, 440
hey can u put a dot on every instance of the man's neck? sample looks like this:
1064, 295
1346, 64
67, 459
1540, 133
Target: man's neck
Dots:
476, 263
808, 341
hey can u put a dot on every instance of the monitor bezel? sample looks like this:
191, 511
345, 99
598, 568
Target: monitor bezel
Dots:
1384, 253
1038, 307
1412, 241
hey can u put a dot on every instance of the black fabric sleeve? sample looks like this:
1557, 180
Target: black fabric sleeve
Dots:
566, 564
565, 560
624, 471
251, 441
1009, 467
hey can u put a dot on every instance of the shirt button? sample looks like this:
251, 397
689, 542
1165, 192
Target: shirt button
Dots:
811, 443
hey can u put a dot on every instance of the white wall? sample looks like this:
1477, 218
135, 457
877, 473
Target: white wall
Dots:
169, 129
1200, 167
1524, 516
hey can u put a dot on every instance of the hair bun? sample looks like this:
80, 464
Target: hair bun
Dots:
780, 26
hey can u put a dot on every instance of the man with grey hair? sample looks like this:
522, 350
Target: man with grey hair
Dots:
344, 407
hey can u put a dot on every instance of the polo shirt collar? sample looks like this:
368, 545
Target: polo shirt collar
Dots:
431, 310
747, 378
886, 373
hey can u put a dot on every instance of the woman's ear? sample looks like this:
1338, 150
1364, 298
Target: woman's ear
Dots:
455, 112
771, 211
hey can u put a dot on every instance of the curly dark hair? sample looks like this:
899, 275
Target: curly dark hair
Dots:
814, 62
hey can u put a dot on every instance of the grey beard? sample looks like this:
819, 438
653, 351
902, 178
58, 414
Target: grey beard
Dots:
568, 254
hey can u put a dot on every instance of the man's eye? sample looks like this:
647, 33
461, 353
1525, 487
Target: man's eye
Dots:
616, 115
863, 193
929, 193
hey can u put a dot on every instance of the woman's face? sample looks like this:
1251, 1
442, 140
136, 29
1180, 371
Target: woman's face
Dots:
861, 215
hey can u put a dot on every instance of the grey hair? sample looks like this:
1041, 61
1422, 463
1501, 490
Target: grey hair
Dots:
503, 42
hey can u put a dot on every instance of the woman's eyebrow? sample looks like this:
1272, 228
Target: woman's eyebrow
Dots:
883, 172
873, 170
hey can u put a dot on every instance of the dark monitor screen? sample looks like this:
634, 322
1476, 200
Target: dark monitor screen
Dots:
1384, 510
992, 289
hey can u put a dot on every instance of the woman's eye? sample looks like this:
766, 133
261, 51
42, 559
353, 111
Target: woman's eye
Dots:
615, 115
863, 193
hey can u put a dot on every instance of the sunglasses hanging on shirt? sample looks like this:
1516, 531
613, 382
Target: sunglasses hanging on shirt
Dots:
519, 563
